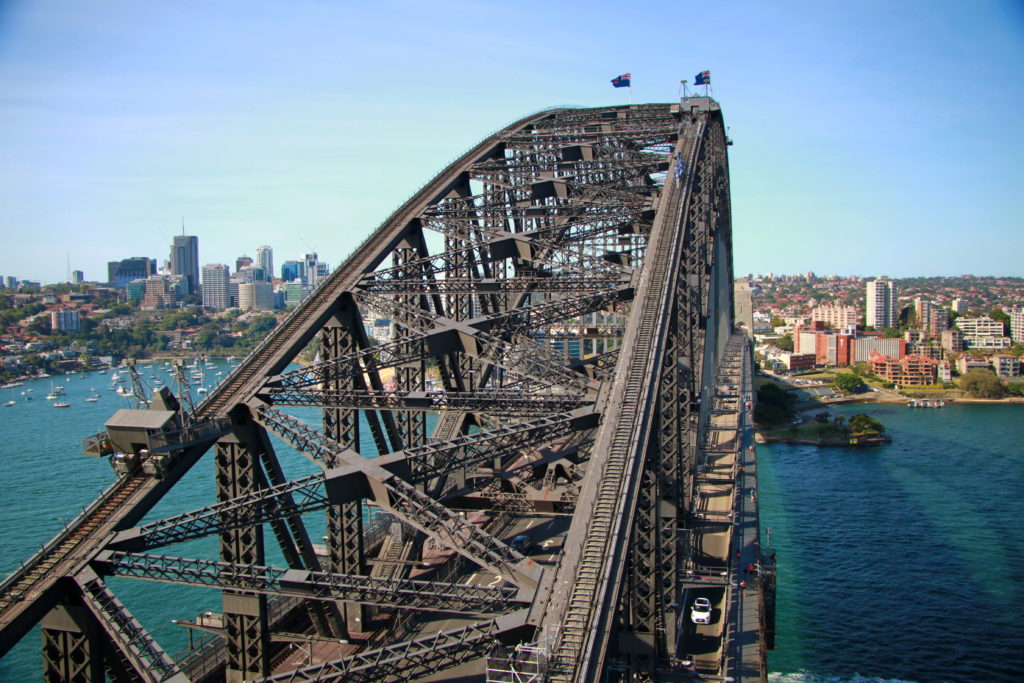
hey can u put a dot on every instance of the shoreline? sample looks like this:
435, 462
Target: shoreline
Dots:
852, 442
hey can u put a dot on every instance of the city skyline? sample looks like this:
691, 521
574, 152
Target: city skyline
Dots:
869, 138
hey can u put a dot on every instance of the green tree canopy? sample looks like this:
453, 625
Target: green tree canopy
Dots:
865, 424
774, 405
785, 342
849, 383
982, 383
1000, 316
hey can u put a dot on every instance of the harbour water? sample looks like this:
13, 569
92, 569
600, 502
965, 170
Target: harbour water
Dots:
901, 562
897, 563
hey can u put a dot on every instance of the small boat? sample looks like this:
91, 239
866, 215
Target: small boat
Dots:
61, 405
92, 399
51, 396
9, 404
201, 390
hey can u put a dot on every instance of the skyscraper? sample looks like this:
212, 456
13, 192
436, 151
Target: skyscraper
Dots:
185, 260
242, 261
265, 260
311, 261
216, 286
881, 305
293, 270
120, 273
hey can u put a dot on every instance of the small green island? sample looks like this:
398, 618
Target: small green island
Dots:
777, 420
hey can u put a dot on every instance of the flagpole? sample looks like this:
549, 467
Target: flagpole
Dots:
630, 91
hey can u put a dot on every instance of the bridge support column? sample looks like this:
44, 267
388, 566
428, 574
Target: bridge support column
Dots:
72, 647
412, 426
344, 522
245, 616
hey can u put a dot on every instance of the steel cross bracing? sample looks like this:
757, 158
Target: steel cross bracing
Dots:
562, 329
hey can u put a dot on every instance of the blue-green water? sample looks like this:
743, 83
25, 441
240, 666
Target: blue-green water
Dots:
46, 481
895, 563
901, 562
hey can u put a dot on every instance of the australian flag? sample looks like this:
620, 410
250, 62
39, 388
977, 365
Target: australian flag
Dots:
621, 81
703, 78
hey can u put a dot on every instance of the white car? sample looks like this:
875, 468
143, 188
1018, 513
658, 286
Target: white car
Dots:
700, 613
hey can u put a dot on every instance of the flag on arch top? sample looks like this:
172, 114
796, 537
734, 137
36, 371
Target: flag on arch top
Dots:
621, 81
703, 78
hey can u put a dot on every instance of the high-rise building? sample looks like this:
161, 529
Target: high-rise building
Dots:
293, 270
120, 273
881, 305
251, 273
216, 286
185, 260
256, 296
265, 260
136, 289
310, 263
77, 277
1017, 325
959, 306
242, 261
837, 316
65, 320
294, 293
159, 293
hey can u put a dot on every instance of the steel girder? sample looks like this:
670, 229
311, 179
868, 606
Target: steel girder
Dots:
497, 402
261, 580
413, 658
245, 615
301, 496
146, 658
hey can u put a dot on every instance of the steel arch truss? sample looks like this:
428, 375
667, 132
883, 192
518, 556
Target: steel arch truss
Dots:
554, 304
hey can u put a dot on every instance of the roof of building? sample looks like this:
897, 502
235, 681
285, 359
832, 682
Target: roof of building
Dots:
127, 418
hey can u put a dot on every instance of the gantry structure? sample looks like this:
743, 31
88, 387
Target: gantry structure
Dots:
507, 481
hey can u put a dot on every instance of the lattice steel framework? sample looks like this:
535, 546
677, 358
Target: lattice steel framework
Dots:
607, 224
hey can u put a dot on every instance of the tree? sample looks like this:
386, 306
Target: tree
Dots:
774, 405
822, 417
865, 424
982, 383
1000, 316
1015, 388
848, 383
785, 342
777, 321
892, 332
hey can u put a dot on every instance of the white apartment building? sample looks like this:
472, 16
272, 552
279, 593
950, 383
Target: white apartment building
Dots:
980, 327
216, 286
836, 316
1017, 325
882, 306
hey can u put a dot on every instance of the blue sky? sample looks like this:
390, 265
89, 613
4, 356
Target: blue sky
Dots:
870, 137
